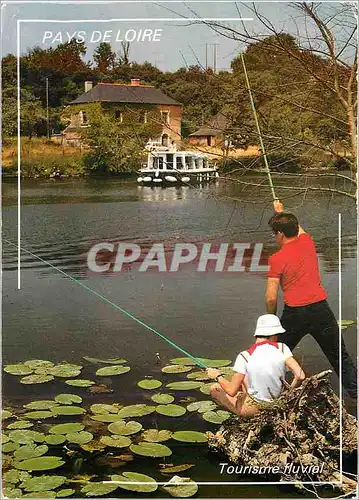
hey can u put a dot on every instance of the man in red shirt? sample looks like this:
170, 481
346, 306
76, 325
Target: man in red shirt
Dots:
295, 268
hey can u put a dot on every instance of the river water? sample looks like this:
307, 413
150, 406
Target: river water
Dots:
210, 314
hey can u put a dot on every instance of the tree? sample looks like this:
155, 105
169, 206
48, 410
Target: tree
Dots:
32, 113
104, 58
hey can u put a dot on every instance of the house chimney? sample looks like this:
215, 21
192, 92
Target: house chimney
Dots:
135, 81
88, 86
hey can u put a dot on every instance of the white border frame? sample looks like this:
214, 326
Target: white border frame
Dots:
19, 21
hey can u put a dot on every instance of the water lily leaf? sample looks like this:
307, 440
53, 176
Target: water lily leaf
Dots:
38, 415
36, 379
181, 487
171, 410
190, 436
156, 436
55, 439
216, 417
5, 414
68, 410
98, 489
183, 361
110, 361
15, 476
149, 384
12, 493
176, 369
80, 382
202, 406
112, 370
66, 428
176, 468
66, 492
136, 410
68, 399
116, 441
106, 418
186, 385
44, 494
100, 389
132, 477
162, 399
346, 322
19, 369
4, 438
103, 408
216, 363
43, 404
34, 364
40, 463
151, 449
65, 370
25, 436
10, 447
20, 424
125, 428
206, 388
30, 451
200, 375
95, 445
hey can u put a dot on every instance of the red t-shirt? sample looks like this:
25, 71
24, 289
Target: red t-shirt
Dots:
296, 264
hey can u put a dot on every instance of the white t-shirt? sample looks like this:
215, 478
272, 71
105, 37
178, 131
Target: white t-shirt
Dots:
264, 369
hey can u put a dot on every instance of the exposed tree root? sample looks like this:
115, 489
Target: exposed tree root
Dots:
299, 429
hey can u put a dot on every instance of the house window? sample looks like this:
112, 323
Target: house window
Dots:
83, 118
119, 115
165, 116
164, 140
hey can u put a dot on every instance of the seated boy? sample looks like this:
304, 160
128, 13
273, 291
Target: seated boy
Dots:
260, 371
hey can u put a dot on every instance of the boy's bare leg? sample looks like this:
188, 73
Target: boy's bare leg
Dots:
241, 404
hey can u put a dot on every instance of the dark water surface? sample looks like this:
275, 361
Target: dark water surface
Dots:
210, 314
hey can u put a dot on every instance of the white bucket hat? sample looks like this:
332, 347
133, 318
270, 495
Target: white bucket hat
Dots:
267, 325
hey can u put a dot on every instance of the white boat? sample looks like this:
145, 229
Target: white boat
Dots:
169, 166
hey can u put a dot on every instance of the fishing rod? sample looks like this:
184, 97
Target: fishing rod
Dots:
258, 129
116, 306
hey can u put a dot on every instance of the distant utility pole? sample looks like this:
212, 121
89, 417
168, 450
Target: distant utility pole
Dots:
47, 110
215, 58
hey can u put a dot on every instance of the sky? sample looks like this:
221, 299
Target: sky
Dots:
168, 44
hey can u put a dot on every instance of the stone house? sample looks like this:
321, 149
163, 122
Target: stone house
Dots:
211, 134
133, 96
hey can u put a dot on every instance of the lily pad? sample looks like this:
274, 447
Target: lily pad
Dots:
183, 361
93, 489
4, 439
202, 406
176, 369
106, 417
68, 399
112, 370
206, 388
115, 441
30, 451
149, 384
171, 410
26, 436
10, 447
38, 415
5, 414
216, 417
82, 437
190, 436
186, 385
103, 408
151, 449
110, 361
200, 375
346, 322
15, 476
156, 436
181, 487
123, 428
11, 492
34, 364
55, 439
66, 428
65, 370
136, 410
36, 379
43, 404
163, 399
66, 492
40, 463
18, 369
216, 363
68, 410
132, 477
94, 445
20, 424
80, 382
44, 494
176, 468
